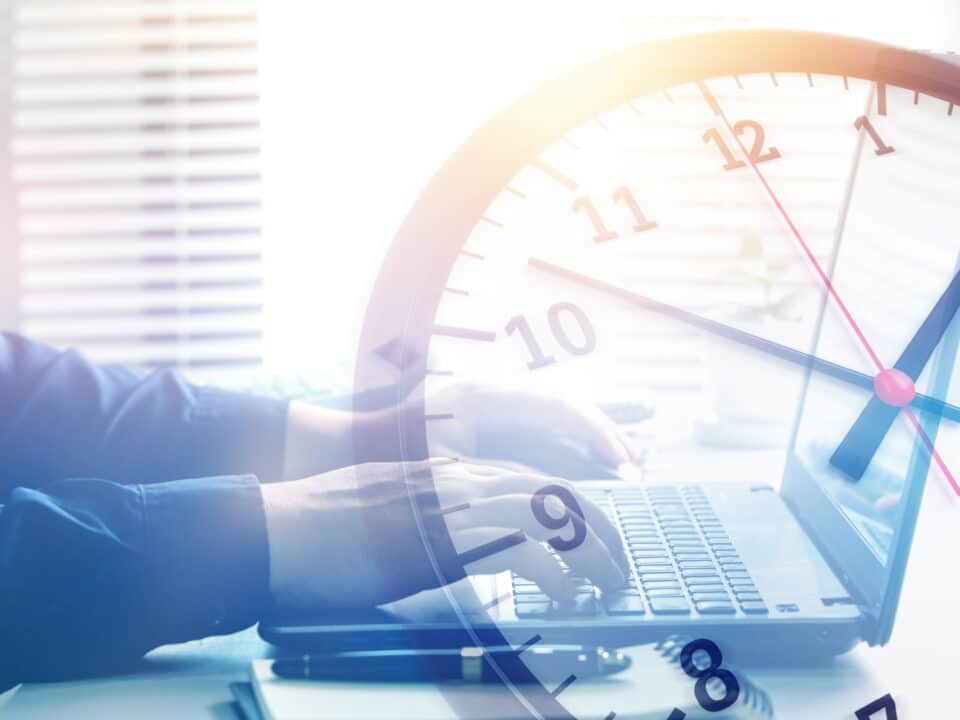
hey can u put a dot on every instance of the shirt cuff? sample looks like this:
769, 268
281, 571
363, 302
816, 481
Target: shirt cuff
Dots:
206, 555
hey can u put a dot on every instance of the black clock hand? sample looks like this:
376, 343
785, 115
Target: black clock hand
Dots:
784, 352
861, 442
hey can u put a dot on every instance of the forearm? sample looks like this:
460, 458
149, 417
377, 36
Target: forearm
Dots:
63, 416
93, 574
319, 439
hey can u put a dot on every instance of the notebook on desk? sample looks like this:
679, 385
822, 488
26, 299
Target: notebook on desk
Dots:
650, 690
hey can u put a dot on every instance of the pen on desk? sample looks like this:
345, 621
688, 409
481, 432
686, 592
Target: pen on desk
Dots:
470, 665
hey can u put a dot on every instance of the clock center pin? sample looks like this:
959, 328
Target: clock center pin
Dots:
894, 387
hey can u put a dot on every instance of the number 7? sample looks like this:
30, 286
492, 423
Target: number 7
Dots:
883, 703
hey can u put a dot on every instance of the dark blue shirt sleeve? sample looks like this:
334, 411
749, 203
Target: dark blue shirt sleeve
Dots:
104, 552
61, 416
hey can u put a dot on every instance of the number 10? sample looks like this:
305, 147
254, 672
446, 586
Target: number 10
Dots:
519, 323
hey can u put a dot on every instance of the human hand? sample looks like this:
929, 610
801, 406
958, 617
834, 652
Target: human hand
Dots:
348, 538
547, 432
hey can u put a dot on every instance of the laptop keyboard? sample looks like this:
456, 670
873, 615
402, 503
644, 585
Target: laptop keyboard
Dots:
683, 561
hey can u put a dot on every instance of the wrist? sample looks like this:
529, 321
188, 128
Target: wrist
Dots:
318, 440
317, 542
281, 543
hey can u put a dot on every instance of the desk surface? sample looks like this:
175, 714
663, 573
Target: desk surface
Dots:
177, 681
191, 680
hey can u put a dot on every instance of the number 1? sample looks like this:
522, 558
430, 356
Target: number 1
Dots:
623, 193
538, 359
603, 233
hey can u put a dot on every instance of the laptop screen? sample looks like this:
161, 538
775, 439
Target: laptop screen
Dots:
865, 526
874, 505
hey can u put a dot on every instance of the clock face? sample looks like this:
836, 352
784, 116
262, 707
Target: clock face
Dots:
750, 230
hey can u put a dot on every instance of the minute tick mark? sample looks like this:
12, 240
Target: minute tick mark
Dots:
464, 333
496, 601
439, 416
454, 508
554, 174
529, 643
564, 685
708, 96
493, 547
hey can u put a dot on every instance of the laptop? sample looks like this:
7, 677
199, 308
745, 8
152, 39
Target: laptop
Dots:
806, 571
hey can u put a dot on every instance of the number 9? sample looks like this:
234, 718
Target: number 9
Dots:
572, 515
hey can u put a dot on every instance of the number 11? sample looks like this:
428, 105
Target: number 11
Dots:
602, 232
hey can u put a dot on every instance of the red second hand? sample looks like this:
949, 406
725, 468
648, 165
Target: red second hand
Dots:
848, 316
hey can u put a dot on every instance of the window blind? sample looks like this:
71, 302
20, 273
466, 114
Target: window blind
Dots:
135, 168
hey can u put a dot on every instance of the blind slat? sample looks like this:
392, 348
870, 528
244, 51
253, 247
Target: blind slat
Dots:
135, 144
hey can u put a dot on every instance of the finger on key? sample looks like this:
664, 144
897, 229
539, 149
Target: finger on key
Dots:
577, 543
597, 519
528, 559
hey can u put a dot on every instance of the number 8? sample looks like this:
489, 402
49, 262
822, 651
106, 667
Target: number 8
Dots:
713, 670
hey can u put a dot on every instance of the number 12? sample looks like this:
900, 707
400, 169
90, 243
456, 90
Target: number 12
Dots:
756, 153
